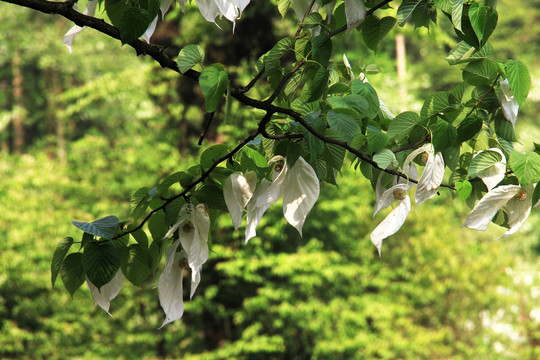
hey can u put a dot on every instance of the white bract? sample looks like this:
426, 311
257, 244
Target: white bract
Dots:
355, 12
237, 191
509, 104
104, 295
494, 174
299, 186
194, 225
90, 10
393, 222
433, 174
231, 9
518, 204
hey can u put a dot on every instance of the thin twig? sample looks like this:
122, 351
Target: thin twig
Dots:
308, 11
208, 117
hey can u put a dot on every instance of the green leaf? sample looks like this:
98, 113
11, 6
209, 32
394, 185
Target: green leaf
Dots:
374, 30
526, 167
171, 211
115, 10
519, 79
212, 196
436, 104
58, 257
274, 55
483, 20
134, 23
214, 82
100, 262
465, 53
457, 13
405, 10
189, 56
213, 154
358, 103
367, 91
321, 50
444, 5
468, 128
140, 201
135, 265
482, 161
385, 158
72, 272
105, 227
377, 140
402, 125
444, 135
283, 5
312, 20
341, 121
157, 226
319, 84
334, 154
464, 189
504, 128
141, 238
166, 183
482, 72
155, 253
258, 159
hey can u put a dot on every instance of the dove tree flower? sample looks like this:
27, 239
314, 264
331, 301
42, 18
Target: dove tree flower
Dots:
515, 198
90, 10
193, 224
393, 222
509, 104
104, 295
237, 191
299, 186
431, 177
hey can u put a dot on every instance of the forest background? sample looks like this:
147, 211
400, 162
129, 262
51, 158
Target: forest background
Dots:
80, 133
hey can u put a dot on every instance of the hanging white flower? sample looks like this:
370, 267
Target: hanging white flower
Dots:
393, 222
494, 174
299, 186
433, 173
104, 295
237, 191
509, 104
170, 289
355, 12
194, 225
518, 204
90, 10
230, 9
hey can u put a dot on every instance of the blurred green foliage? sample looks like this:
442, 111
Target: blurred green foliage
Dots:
437, 292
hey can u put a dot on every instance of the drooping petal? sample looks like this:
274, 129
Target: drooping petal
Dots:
487, 207
102, 297
150, 30
518, 208
355, 12
431, 178
170, 289
300, 192
495, 173
237, 191
165, 4
267, 194
90, 10
424, 148
194, 239
392, 223
208, 9
183, 216
509, 104
388, 197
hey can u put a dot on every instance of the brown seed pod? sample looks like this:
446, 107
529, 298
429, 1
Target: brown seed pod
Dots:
399, 194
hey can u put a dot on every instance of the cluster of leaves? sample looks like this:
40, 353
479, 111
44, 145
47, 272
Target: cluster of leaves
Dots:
319, 110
